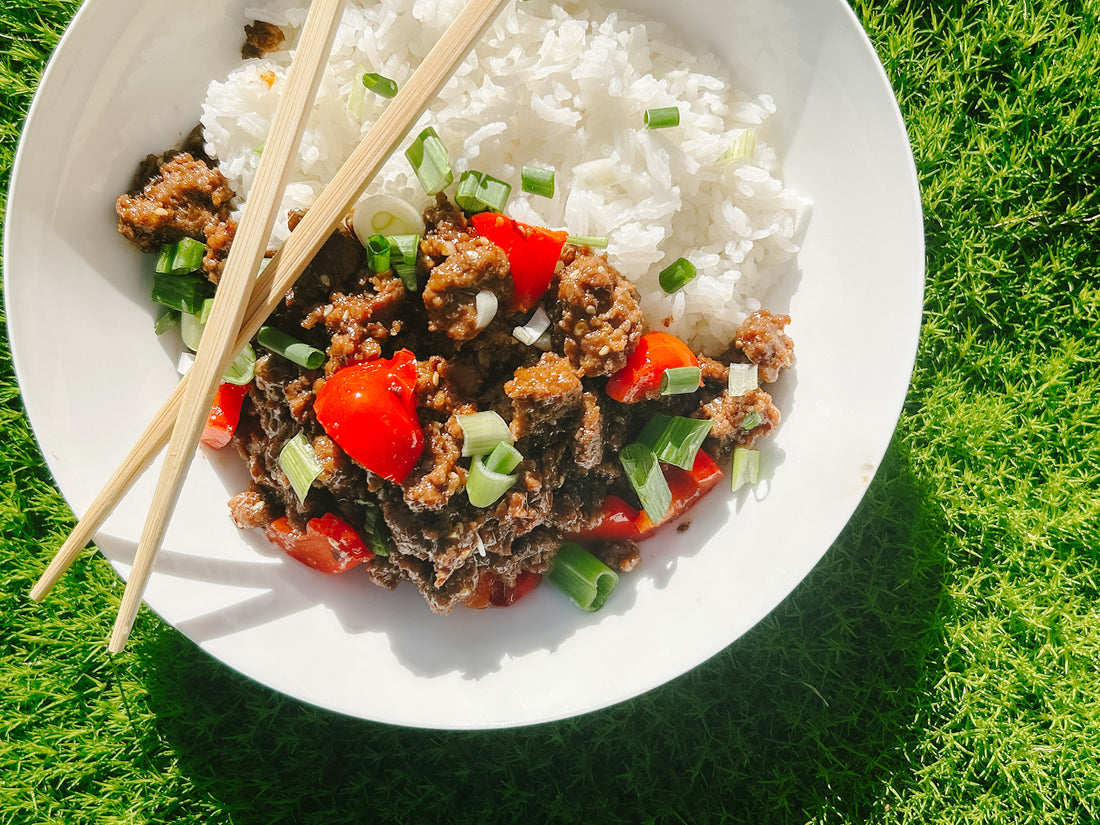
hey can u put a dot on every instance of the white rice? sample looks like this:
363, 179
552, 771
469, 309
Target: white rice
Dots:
564, 86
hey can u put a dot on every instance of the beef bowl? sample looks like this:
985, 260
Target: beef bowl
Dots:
734, 178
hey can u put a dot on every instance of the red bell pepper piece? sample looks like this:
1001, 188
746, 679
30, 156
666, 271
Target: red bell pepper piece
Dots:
533, 253
687, 486
640, 377
369, 409
617, 521
491, 591
329, 544
225, 414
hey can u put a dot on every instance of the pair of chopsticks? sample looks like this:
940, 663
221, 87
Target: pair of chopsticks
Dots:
235, 320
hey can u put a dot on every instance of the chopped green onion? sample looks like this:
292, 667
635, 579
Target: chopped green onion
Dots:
378, 253
429, 160
743, 378
675, 439
533, 331
290, 348
592, 241
192, 324
485, 302
680, 380
582, 577
743, 147
382, 214
300, 463
676, 274
356, 98
662, 118
482, 431
503, 459
181, 257
479, 192
537, 181
243, 368
165, 320
381, 86
484, 486
375, 527
745, 469
645, 477
753, 419
183, 292
403, 252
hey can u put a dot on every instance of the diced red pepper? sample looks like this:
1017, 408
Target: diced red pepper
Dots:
329, 544
491, 591
617, 521
369, 409
640, 378
225, 414
533, 253
687, 486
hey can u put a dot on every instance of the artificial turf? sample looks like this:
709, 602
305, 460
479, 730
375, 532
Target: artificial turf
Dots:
939, 666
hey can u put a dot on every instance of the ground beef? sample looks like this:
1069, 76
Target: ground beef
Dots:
728, 414
261, 37
476, 265
567, 429
762, 339
183, 197
597, 315
545, 397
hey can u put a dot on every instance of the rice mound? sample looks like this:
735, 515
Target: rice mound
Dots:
562, 86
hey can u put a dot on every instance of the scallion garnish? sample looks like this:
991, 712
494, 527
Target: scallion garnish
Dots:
479, 192
753, 419
485, 302
537, 181
537, 326
680, 380
482, 431
165, 320
743, 147
183, 292
662, 118
243, 368
676, 274
503, 459
381, 86
378, 253
745, 469
582, 577
300, 463
429, 160
743, 378
375, 527
645, 477
675, 439
290, 348
192, 324
592, 241
403, 251
181, 257
485, 485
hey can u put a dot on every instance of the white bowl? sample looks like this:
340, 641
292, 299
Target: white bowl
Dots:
122, 84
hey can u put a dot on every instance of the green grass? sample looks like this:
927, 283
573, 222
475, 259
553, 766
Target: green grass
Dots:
939, 666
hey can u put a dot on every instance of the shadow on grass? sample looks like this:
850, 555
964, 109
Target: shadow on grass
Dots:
806, 718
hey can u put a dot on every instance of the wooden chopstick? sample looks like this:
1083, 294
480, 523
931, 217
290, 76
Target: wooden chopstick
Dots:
299, 249
218, 345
